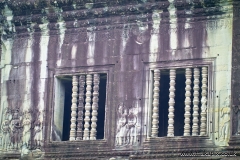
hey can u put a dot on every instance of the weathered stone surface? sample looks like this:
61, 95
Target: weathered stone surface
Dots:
126, 39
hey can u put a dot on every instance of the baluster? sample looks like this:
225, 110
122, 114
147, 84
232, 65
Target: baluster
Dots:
74, 108
195, 102
171, 103
96, 81
87, 107
155, 109
204, 102
80, 107
187, 114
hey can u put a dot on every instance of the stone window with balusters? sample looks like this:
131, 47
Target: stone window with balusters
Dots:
179, 101
80, 100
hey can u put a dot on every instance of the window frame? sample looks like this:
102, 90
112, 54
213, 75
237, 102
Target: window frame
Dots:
148, 90
60, 72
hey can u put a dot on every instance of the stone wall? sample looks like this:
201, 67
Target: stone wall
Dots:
42, 39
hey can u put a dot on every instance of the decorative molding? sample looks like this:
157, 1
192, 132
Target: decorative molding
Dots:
103, 17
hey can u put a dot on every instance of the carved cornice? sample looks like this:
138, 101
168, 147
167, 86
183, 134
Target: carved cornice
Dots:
125, 12
113, 16
102, 3
106, 32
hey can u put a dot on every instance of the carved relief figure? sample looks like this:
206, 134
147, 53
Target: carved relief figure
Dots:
225, 120
38, 131
132, 120
121, 124
16, 129
237, 111
26, 127
126, 126
5, 128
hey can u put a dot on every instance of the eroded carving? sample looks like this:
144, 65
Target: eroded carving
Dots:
121, 124
5, 129
126, 126
16, 125
26, 128
237, 111
225, 121
38, 130
131, 126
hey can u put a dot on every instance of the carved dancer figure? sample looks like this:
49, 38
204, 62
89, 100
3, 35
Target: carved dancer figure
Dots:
38, 133
38, 130
6, 134
237, 111
26, 128
121, 125
5, 129
16, 129
132, 120
225, 120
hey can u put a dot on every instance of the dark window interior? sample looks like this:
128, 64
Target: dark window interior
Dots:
67, 82
179, 107
67, 109
179, 103
163, 103
101, 106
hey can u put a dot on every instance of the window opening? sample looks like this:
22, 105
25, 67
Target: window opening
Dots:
179, 105
84, 106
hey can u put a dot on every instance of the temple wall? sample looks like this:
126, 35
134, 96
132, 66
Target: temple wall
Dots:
32, 56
